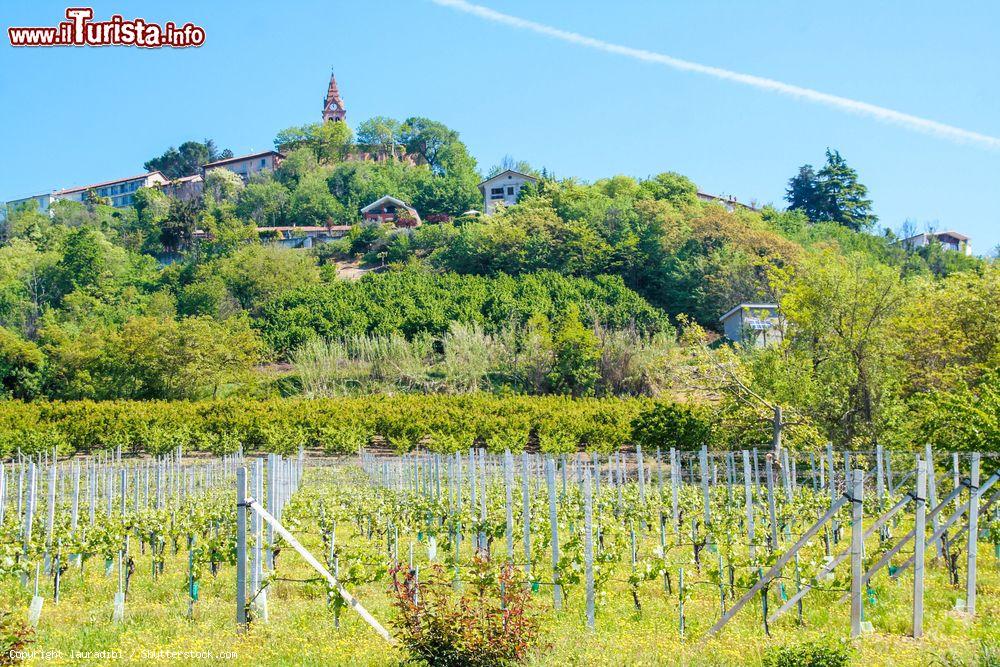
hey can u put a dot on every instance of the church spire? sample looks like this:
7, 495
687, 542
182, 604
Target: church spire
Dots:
333, 106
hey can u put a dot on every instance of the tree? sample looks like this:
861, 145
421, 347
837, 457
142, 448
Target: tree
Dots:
671, 187
328, 142
803, 194
845, 198
266, 203
222, 185
177, 230
311, 202
832, 195
21, 365
576, 353
255, 274
296, 164
187, 159
380, 135
437, 144
841, 313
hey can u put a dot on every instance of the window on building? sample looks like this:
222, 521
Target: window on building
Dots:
263, 162
510, 190
496, 193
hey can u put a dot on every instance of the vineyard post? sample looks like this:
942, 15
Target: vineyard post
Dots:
260, 596
659, 476
769, 470
588, 547
918, 562
956, 479
642, 484
748, 500
554, 526
596, 461
20, 487
28, 516
703, 461
508, 483
484, 545
932, 492
880, 484
241, 547
756, 470
526, 513
857, 539
472, 489
75, 511
888, 470
50, 520
674, 462
3, 492
812, 469
973, 543
272, 496
832, 482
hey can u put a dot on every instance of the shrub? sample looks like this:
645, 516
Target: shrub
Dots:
490, 624
819, 653
14, 637
672, 425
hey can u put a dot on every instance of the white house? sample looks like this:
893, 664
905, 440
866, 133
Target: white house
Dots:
950, 240
756, 324
119, 191
504, 187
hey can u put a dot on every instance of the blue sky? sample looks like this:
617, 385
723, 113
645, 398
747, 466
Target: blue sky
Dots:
73, 116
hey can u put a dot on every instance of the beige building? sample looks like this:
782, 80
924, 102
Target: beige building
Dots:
246, 165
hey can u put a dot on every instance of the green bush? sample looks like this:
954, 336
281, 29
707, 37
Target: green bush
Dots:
677, 425
819, 653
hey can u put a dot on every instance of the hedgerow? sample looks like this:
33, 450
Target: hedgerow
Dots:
334, 425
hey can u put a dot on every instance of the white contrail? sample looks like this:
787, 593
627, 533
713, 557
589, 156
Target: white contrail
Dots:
906, 120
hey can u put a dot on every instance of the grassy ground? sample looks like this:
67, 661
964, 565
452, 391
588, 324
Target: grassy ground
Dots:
157, 629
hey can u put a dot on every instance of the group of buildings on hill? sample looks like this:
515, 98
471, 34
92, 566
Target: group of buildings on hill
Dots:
749, 323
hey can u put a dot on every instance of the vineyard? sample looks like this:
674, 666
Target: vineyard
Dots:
637, 557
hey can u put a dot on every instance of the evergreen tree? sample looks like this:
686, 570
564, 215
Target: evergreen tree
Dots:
803, 193
844, 197
834, 194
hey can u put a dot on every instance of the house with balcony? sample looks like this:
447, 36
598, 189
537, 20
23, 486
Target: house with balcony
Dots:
120, 191
388, 209
503, 188
949, 240
754, 324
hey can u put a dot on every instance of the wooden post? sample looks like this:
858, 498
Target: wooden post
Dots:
241, 547
857, 546
973, 543
918, 562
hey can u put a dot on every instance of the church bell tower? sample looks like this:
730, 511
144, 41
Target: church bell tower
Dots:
333, 106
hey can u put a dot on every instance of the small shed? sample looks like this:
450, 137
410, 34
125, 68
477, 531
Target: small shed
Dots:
756, 324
